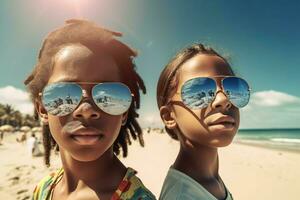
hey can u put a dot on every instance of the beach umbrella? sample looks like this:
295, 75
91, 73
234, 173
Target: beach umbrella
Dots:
6, 128
36, 129
25, 128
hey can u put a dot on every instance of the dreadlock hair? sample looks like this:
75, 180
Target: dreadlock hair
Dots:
168, 80
94, 37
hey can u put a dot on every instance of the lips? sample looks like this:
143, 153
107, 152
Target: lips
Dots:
224, 120
86, 135
223, 123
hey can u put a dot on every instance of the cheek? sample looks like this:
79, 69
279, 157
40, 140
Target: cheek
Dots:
191, 123
237, 117
111, 126
56, 124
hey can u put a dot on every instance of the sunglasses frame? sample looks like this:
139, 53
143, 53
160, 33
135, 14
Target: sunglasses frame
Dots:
217, 79
83, 91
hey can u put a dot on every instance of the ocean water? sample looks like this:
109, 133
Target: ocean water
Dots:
285, 139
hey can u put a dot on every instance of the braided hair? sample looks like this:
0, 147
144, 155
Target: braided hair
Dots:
94, 37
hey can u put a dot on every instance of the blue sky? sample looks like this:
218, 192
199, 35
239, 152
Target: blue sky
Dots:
260, 37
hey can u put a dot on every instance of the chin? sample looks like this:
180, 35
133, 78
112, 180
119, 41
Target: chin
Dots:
87, 156
222, 141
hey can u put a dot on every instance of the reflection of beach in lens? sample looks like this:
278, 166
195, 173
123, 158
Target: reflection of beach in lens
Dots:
112, 105
196, 101
61, 98
112, 98
66, 106
63, 110
237, 91
198, 93
239, 99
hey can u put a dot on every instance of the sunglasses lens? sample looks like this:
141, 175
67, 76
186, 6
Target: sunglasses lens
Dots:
197, 93
61, 99
237, 90
112, 98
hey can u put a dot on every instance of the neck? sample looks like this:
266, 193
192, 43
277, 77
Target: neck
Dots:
100, 174
198, 161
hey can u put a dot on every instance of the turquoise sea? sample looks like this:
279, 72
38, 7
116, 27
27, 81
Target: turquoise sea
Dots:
284, 139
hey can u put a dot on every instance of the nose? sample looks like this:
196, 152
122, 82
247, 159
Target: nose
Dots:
86, 111
221, 101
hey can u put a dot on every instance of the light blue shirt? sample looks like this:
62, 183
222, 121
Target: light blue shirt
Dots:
179, 186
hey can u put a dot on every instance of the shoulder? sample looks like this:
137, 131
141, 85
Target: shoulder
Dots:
43, 188
132, 187
172, 186
178, 185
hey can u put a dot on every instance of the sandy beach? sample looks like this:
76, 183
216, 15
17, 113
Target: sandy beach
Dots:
249, 172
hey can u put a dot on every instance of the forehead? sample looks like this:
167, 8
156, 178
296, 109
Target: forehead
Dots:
204, 66
80, 64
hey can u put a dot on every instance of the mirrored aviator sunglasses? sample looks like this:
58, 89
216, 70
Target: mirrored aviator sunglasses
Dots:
62, 98
198, 93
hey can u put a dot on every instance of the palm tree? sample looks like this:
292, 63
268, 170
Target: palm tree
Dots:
8, 115
29, 120
17, 119
1, 113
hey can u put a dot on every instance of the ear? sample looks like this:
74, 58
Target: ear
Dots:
168, 117
124, 118
41, 111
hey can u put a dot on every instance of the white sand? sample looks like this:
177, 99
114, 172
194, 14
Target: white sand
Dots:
249, 172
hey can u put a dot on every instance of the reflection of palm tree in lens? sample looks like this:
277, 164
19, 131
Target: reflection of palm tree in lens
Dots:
55, 104
200, 95
211, 93
106, 99
227, 92
60, 101
69, 100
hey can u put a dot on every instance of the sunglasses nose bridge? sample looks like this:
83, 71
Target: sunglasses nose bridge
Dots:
84, 93
219, 89
86, 108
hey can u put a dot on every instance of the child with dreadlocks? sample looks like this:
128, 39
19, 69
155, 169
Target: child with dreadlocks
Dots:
86, 93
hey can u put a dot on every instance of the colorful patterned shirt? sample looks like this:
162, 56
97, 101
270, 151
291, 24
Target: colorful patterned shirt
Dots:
130, 188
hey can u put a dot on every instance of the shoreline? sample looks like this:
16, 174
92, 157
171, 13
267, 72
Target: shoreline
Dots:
266, 145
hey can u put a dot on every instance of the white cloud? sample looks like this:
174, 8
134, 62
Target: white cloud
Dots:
273, 98
18, 98
271, 109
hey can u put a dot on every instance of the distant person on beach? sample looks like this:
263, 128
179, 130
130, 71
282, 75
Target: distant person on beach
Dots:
86, 62
32, 144
200, 120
